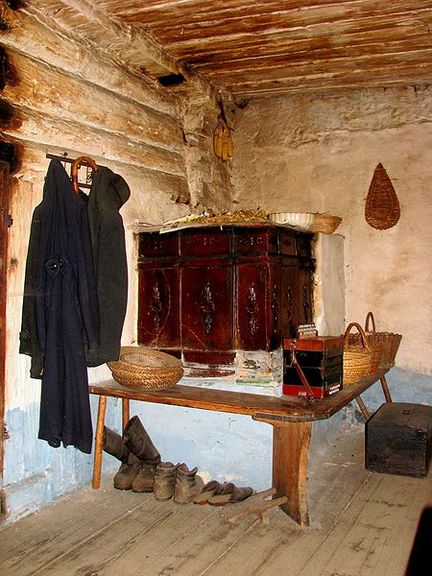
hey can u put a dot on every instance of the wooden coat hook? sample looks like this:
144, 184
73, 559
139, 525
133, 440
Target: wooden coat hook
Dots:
75, 167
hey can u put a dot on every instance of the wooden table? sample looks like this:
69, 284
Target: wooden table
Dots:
290, 417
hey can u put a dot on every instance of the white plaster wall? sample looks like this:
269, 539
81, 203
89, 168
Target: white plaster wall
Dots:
318, 154
329, 284
50, 120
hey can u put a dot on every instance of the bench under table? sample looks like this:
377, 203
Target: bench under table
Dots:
291, 418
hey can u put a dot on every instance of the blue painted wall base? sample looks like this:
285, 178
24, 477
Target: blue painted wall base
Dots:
222, 446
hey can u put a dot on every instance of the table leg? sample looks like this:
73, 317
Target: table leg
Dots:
291, 441
385, 389
97, 466
363, 408
125, 412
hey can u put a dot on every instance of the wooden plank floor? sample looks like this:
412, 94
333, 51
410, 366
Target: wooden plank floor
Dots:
362, 524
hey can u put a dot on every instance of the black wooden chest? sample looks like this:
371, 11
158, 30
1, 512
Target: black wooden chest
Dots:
399, 439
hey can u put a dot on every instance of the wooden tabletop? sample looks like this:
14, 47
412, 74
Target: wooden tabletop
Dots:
280, 409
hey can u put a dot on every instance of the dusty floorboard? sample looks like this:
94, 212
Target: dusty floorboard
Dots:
361, 524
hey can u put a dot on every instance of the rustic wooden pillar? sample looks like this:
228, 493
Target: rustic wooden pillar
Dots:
4, 221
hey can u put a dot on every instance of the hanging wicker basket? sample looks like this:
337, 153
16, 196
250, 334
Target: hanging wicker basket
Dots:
386, 343
382, 208
359, 358
146, 369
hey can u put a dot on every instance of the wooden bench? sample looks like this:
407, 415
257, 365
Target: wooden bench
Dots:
290, 417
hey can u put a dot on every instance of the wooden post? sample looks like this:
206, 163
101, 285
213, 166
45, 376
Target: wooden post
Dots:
4, 221
97, 467
291, 441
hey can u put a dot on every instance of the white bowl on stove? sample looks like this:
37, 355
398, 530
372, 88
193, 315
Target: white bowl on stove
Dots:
300, 220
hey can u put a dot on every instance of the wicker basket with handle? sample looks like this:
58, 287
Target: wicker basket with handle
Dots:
146, 369
387, 343
360, 359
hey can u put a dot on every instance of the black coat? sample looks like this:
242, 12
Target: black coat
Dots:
60, 311
108, 193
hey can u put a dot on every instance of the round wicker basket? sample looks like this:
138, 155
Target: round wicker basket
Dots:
146, 369
325, 223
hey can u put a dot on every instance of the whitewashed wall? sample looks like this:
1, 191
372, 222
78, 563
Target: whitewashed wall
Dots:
67, 97
318, 154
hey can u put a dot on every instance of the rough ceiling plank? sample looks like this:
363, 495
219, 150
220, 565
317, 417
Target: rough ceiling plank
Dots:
331, 81
185, 13
330, 32
306, 52
294, 22
264, 47
383, 67
258, 67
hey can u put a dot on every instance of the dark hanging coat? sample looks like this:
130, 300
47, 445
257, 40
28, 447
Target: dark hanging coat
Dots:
108, 193
60, 311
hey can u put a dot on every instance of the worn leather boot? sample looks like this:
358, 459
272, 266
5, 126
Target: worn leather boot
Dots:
113, 444
145, 478
188, 484
139, 442
126, 474
165, 480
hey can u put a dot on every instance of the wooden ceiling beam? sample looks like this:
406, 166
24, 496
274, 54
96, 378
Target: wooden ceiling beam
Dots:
308, 53
129, 46
300, 25
366, 67
329, 32
323, 82
326, 88
194, 12
255, 71
259, 47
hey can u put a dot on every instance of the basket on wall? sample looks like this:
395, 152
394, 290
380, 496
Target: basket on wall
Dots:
360, 359
382, 209
146, 369
387, 343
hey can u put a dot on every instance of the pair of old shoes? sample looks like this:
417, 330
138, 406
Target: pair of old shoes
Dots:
141, 470
137, 453
176, 481
217, 494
